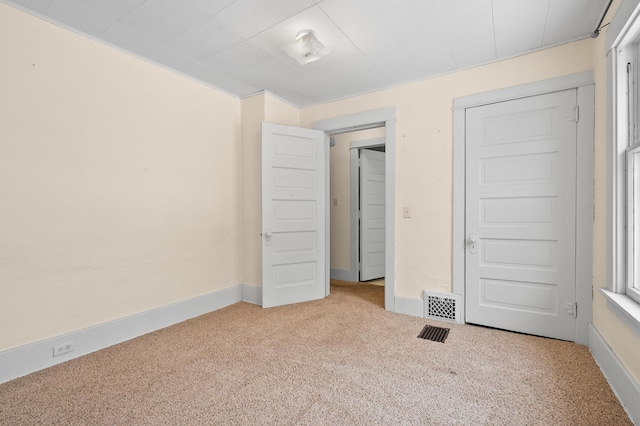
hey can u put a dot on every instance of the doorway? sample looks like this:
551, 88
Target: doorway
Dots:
377, 119
298, 273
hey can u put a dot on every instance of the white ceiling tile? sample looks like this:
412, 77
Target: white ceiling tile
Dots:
77, 15
277, 70
387, 5
418, 28
143, 21
519, 26
243, 55
346, 12
291, 94
246, 18
112, 9
571, 19
170, 57
211, 7
393, 62
183, 14
468, 25
366, 33
129, 38
207, 38
281, 10
360, 73
253, 78
354, 73
35, 5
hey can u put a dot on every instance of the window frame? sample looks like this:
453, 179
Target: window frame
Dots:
627, 144
623, 84
632, 155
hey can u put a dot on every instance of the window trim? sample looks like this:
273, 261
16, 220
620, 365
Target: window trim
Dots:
632, 155
622, 38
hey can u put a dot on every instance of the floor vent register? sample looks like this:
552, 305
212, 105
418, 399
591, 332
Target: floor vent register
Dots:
436, 334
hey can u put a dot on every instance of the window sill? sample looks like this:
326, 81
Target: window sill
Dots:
624, 305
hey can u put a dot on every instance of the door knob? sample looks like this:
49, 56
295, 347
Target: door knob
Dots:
267, 236
472, 242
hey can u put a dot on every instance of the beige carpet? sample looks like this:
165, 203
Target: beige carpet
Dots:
342, 360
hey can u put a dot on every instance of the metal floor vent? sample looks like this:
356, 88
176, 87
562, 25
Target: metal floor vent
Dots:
442, 306
437, 334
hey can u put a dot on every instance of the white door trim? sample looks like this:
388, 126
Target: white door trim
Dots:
367, 120
584, 83
355, 147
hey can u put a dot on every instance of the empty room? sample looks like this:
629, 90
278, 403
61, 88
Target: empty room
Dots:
320, 212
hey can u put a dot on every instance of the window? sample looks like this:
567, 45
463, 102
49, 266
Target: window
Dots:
624, 155
629, 146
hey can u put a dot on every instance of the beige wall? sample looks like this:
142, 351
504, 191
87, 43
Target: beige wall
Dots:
425, 151
119, 181
252, 118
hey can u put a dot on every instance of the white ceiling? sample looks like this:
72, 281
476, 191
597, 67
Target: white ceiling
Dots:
236, 45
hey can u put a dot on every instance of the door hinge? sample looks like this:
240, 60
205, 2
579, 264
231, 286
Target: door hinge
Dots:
573, 114
572, 309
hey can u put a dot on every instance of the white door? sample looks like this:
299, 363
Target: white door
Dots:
520, 215
294, 215
372, 219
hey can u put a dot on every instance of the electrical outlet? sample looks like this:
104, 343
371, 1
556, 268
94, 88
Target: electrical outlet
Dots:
62, 349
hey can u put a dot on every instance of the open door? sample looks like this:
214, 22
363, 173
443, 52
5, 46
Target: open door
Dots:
294, 215
372, 214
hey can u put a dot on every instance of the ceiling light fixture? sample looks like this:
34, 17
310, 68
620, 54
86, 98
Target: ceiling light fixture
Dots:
306, 48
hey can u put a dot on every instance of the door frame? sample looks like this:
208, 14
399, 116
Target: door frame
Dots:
354, 237
583, 83
386, 118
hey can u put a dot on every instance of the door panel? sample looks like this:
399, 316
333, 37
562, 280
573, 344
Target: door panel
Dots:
293, 215
520, 189
372, 222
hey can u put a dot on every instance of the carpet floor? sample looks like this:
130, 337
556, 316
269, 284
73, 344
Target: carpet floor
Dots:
343, 360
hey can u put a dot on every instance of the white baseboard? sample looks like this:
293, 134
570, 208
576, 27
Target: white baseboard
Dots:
252, 294
408, 306
623, 384
39, 355
341, 274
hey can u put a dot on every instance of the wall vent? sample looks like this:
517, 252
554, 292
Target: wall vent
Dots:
442, 306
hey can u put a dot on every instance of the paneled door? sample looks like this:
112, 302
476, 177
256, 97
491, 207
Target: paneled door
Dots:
372, 217
294, 215
521, 216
